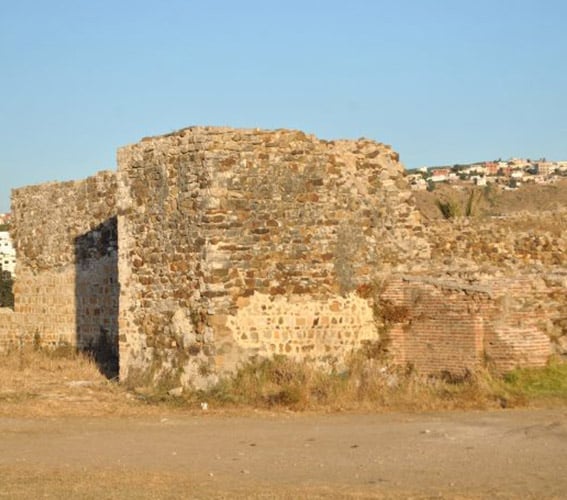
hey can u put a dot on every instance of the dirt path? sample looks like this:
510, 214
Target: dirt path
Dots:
517, 454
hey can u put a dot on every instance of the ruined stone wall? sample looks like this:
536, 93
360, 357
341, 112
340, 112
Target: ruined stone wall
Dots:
220, 228
521, 258
211, 246
66, 289
518, 243
530, 320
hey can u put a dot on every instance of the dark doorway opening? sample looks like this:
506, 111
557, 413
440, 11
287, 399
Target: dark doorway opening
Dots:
97, 296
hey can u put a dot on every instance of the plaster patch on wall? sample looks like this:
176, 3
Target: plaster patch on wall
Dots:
303, 327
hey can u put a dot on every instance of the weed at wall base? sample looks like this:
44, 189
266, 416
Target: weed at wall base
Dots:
366, 383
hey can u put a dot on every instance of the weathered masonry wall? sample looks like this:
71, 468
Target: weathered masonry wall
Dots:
242, 242
66, 290
211, 246
9, 329
444, 324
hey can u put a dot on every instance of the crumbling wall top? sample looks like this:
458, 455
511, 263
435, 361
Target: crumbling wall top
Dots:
47, 218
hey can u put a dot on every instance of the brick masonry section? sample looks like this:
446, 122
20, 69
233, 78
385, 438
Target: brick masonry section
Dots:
439, 325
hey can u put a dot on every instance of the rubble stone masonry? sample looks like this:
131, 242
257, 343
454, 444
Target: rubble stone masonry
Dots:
210, 246
221, 229
67, 285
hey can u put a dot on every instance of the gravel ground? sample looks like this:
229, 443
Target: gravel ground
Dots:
480, 454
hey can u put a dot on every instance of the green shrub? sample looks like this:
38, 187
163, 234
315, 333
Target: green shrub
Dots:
449, 209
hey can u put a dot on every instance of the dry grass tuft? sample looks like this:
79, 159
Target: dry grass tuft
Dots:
38, 383
366, 384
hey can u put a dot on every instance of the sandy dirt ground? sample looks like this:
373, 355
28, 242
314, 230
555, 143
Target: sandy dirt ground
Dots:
494, 454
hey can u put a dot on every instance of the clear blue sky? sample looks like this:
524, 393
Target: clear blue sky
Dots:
443, 81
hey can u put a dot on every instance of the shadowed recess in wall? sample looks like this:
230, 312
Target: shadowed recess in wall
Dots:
96, 295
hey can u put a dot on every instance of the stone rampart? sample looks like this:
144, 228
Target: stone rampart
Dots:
66, 290
211, 246
221, 228
518, 243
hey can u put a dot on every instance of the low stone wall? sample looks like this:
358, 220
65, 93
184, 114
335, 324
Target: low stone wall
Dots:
517, 243
45, 305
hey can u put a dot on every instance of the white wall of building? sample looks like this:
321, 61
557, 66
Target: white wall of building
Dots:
7, 253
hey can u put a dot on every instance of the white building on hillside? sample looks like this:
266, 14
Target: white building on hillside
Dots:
7, 253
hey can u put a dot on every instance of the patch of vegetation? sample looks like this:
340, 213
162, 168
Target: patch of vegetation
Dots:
6, 290
494, 200
469, 207
538, 383
50, 380
365, 383
449, 208
104, 352
152, 383
472, 202
264, 383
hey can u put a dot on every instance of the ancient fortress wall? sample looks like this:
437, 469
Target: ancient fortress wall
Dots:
243, 242
67, 285
211, 246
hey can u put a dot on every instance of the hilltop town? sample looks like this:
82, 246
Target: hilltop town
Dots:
510, 174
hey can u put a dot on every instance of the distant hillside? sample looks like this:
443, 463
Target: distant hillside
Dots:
493, 200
